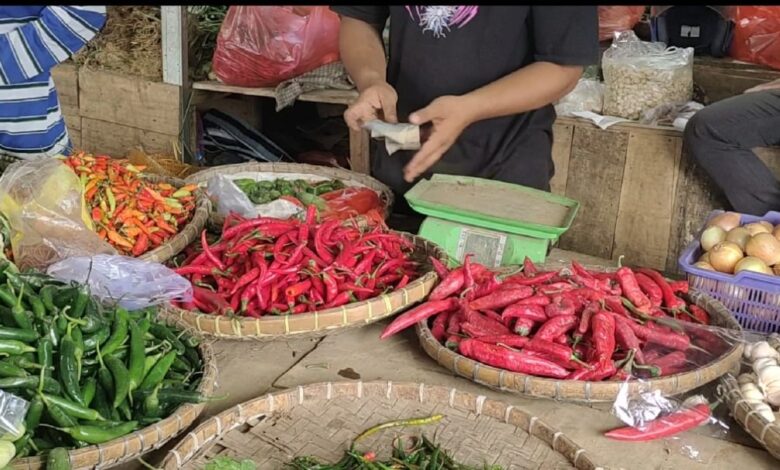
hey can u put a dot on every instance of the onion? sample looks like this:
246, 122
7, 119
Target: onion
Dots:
711, 236
767, 224
726, 221
751, 263
705, 258
776, 270
776, 232
739, 235
765, 247
704, 265
725, 256
756, 227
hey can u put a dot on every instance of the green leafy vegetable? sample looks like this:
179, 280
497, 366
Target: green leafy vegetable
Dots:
228, 463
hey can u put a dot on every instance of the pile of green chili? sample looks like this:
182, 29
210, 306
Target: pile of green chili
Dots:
91, 373
307, 193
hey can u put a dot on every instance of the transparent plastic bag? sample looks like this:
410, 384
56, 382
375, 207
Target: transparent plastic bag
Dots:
756, 34
228, 197
667, 114
261, 46
132, 283
44, 203
641, 75
614, 18
13, 410
588, 95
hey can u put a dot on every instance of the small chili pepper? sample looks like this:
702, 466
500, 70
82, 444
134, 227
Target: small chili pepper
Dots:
666, 426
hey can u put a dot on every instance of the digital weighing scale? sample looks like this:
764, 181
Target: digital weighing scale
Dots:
499, 223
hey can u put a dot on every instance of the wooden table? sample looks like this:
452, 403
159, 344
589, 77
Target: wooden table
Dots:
251, 369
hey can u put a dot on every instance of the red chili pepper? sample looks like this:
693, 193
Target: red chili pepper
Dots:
615, 304
631, 289
603, 336
534, 312
449, 285
403, 282
556, 326
668, 364
699, 314
502, 298
599, 371
671, 301
209, 254
418, 314
245, 279
490, 326
453, 325
203, 270
468, 278
650, 288
141, 245
522, 280
540, 300
297, 289
679, 287
439, 267
587, 314
627, 340
562, 339
556, 288
439, 326
523, 326
557, 351
453, 342
666, 426
669, 339
508, 359
560, 306
512, 341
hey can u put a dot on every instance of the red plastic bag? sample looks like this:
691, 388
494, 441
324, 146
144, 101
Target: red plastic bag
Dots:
618, 18
756, 35
265, 45
351, 201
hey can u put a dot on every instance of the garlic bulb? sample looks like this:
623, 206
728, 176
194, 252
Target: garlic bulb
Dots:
747, 352
773, 396
746, 378
762, 363
752, 393
762, 349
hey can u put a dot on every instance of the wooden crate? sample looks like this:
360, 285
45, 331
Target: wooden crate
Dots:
111, 113
640, 193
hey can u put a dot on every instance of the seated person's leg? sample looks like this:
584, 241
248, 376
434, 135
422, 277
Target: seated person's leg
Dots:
721, 138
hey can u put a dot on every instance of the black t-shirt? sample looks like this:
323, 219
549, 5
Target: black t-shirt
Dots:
452, 50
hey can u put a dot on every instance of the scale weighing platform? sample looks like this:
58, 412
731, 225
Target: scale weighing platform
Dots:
499, 223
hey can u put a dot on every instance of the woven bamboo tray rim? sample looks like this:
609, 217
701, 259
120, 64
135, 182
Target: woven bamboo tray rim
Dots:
189, 233
211, 431
767, 434
586, 391
138, 443
202, 177
320, 323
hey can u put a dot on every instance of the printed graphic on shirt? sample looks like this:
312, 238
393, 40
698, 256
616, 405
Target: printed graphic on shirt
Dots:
439, 20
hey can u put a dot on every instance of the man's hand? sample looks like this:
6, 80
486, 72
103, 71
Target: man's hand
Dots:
375, 102
765, 86
448, 115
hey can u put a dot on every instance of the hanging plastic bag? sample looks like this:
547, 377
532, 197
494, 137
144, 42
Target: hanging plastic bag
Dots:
262, 46
613, 19
132, 283
44, 204
588, 95
640, 75
756, 35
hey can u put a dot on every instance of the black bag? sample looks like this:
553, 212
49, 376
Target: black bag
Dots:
707, 29
228, 139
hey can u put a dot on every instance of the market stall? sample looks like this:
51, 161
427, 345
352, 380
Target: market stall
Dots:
264, 314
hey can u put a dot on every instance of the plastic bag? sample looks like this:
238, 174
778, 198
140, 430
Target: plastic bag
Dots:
228, 198
756, 35
265, 45
613, 19
133, 283
44, 203
668, 114
588, 95
641, 75
13, 410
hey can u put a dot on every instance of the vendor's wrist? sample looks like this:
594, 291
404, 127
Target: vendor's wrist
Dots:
472, 107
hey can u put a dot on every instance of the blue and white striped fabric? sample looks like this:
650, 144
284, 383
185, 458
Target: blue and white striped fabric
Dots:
33, 39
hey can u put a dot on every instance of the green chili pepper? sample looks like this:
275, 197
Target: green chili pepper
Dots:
180, 364
61, 323
151, 406
46, 355
47, 297
158, 371
13, 347
7, 298
58, 459
6, 317
91, 342
100, 402
68, 369
92, 322
150, 361
42, 444
34, 413
78, 343
98, 434
23, 362
89, 389
121, 379
11, 370
137, 356
22, 445
124, 410
162, 332
39, 311
63, 296
51, 332
19, 334
80, 304
19, 314
119, 333
74, 409
58, 415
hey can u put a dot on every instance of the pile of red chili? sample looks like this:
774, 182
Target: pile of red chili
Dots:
577, 325
267, 265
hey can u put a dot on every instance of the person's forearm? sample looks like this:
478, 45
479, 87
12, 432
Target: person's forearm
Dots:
529, 88
362, 52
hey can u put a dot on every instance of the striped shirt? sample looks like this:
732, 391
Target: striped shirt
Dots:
33, 39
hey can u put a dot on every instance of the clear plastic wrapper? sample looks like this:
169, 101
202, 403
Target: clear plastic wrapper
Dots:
640, 75
132, 283
229, 198
264, 45
588, 95
667, 114
13, 409
43, 201
615, 18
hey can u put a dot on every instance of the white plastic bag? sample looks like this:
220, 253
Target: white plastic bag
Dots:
640, 75
228, 197
133, 283
13, 410
588, 95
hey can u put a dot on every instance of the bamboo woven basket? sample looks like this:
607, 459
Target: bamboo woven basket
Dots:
144, 440
189, 233
202, 177
317, 324
585, 391
767, 434
322, 419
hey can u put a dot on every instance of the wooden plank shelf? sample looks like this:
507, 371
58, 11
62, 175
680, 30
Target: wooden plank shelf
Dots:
329, 96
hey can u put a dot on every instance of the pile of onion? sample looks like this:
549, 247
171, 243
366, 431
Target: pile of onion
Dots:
731, 248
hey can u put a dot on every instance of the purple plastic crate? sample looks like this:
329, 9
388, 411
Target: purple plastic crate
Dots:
753, 298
